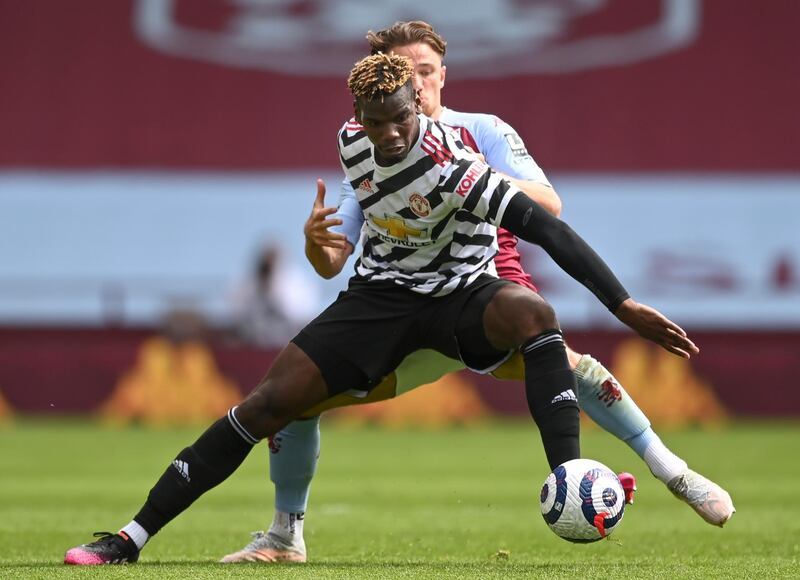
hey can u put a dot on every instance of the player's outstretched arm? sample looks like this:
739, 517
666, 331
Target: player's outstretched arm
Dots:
326, 250
530, 222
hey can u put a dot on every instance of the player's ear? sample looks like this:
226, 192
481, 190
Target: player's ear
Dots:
356, 111
418, 101
441, 79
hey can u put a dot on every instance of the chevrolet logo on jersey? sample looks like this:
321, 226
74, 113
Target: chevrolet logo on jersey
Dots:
398, 232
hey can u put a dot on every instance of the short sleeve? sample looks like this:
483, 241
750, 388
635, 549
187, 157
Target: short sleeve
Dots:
506, 152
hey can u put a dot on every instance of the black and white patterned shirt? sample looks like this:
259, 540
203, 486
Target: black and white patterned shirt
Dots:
430, 219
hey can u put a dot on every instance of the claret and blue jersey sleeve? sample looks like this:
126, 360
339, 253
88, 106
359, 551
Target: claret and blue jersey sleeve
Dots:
498, 142
469, 184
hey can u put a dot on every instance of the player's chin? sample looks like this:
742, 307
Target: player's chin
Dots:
394, 154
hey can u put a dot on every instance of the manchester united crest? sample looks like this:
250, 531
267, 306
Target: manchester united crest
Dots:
419, 205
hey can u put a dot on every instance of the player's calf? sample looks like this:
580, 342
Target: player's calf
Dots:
550, 391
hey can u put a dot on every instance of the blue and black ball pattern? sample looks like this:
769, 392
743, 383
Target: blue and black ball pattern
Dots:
609, 498
582, 501
552, 516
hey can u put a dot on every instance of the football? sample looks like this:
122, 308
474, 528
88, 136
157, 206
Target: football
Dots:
582, 501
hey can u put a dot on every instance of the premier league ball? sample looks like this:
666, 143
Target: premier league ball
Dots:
582, 500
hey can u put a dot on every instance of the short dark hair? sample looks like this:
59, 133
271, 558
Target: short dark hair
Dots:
379, 74
405, 33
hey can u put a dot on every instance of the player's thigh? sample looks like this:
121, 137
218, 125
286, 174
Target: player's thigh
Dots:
417, 369
516, 314
363, 336
423, 367
472, 345
511, 370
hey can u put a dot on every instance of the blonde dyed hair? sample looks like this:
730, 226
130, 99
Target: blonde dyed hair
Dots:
379, 74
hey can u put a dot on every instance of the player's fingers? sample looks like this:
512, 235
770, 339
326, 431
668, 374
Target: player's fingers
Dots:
686, 345
322, 231
326, 211
674, 327
319, 236
670, 340
676, 351
320, 199
333, 237
683, 342
338, 244
318, 214
332, 241
322, 225
655, 317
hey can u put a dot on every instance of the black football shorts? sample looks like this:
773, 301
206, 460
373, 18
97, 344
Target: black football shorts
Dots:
373, 326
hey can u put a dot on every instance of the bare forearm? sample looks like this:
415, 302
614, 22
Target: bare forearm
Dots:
327, 262
325, 249
542, 194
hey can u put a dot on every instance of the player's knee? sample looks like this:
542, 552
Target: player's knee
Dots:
263, 414
573, 357
517, 314
534, 316
544, 316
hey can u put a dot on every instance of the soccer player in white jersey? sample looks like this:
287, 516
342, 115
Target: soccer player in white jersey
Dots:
295, 449
422, 281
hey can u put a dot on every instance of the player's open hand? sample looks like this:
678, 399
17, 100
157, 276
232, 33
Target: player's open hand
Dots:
316, 228
654, 326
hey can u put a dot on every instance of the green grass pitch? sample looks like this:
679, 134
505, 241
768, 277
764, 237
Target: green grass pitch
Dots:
456, 503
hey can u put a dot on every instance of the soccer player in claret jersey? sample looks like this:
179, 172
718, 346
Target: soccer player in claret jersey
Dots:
422, 281
294, 454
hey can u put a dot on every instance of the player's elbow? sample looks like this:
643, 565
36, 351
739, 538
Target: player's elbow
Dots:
554, 204
542, 194
328, 273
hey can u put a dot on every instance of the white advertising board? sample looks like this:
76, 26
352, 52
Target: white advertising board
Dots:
719, 251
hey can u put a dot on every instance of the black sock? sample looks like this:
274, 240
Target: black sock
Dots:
208, 462
550, 388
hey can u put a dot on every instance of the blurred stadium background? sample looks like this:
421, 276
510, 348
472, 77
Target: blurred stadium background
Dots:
153, 151
158, 158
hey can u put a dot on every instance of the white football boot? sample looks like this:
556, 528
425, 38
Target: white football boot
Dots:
709, 500
269, 548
